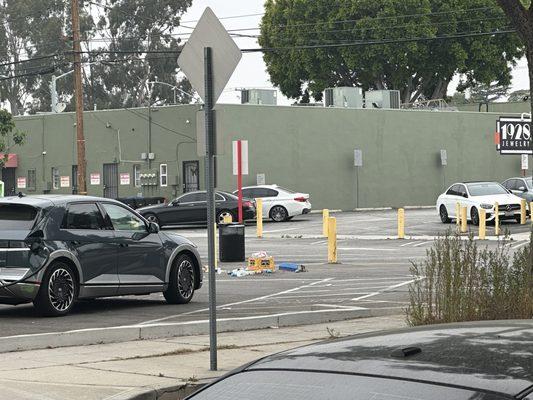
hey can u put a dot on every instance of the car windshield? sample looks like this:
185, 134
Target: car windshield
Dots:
274, 385
17, 216
485, 189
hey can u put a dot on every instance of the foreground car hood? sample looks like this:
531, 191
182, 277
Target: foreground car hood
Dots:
500, 198
178, 239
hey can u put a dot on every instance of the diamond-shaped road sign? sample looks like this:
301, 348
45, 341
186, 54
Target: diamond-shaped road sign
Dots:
209, 32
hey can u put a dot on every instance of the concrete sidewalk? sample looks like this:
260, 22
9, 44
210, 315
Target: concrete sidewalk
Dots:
155, 369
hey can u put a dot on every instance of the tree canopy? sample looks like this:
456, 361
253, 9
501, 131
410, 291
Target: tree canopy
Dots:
9, 135
421, 68
32, 29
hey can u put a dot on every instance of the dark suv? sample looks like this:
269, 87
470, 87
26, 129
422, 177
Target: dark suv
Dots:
56, 249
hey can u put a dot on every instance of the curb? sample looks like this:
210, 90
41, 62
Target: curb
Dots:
119, 334
175, 392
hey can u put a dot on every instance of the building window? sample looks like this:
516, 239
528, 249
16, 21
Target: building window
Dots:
163, 175
55, 178
137, 175
32, 179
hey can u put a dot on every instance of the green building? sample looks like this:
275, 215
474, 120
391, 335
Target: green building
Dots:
308, 149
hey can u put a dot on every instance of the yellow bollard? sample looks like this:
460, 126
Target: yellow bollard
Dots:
259, 212
496, 219
401, 223
463, 220
523, 213
458, 216
332, 240
325, 220
227, 219
482, 224
531, 211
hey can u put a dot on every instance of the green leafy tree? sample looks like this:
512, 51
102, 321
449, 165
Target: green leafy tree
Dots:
419, 69
9, 135
488, 93
520, 12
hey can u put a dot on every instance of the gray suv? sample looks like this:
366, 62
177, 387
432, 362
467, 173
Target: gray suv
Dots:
520, 186
56, 249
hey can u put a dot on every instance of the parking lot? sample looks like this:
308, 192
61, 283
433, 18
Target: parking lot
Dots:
373, 272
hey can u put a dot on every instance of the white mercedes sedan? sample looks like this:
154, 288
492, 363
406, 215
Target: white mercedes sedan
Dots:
476, 196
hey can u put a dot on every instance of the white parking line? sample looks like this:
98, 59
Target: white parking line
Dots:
407, 244
237, 303
365, 249
384, 290
282, 230
423, 243
522, 244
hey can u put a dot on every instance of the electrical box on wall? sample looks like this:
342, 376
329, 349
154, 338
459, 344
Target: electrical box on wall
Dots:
149, 178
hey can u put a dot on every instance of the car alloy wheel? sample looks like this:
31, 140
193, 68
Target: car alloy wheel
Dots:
185, 279
444, 214
474, 216
278, 213
152, 218
61, 289
224, 214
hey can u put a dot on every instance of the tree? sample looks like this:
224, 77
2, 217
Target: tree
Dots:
8, 133
485, 94
520, 12
418, 68
30, 29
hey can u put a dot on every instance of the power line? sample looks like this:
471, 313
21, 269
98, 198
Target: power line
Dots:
376, 42
28, 60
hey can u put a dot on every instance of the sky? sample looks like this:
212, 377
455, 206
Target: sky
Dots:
251, 72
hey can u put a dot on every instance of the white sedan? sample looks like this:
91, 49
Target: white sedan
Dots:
476, 196
279, 204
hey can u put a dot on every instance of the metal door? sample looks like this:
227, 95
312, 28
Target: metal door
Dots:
8, 177
74, 179
191, 176
111, 181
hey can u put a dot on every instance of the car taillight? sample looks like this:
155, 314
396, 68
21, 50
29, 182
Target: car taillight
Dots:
300, 199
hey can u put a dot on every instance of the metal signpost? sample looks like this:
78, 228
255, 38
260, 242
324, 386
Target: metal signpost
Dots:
208, 59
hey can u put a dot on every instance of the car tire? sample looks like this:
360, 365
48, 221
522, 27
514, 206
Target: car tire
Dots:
474, 216
153, 218
279, 214
58, 291
443, 212
182, 280
221, 214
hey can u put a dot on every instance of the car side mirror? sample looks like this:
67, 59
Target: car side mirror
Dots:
465, 195
153, 227
522, 189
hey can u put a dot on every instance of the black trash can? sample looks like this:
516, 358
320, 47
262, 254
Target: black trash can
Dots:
231, 242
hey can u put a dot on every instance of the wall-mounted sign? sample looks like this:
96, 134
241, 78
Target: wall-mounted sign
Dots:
21, 182
95, 178
443, 158
125, 179
64, 182
358, 158
513, 135
525, 164
261, 179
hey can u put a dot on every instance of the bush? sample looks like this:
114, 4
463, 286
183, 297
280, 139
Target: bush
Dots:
459, 282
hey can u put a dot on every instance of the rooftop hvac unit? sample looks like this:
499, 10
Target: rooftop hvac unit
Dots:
259, 96
387, 99
345, 97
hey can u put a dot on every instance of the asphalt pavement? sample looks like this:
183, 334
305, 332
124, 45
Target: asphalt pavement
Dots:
371, 274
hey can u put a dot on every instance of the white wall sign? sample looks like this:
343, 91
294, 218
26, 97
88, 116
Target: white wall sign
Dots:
64, 181
261, 179
21, 182
358, 158
95, 178
125, 179
244, 157
525, 164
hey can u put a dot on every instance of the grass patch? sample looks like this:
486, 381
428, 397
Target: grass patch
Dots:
459, 281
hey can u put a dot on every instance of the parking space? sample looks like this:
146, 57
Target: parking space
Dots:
372, 273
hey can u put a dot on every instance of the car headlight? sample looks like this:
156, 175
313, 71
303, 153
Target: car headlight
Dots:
486, 206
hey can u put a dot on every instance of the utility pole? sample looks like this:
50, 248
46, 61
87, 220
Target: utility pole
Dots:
78, 90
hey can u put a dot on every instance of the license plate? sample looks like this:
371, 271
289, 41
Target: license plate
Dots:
509, 214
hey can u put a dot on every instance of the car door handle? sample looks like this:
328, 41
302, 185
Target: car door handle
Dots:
75, 242
123, 245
